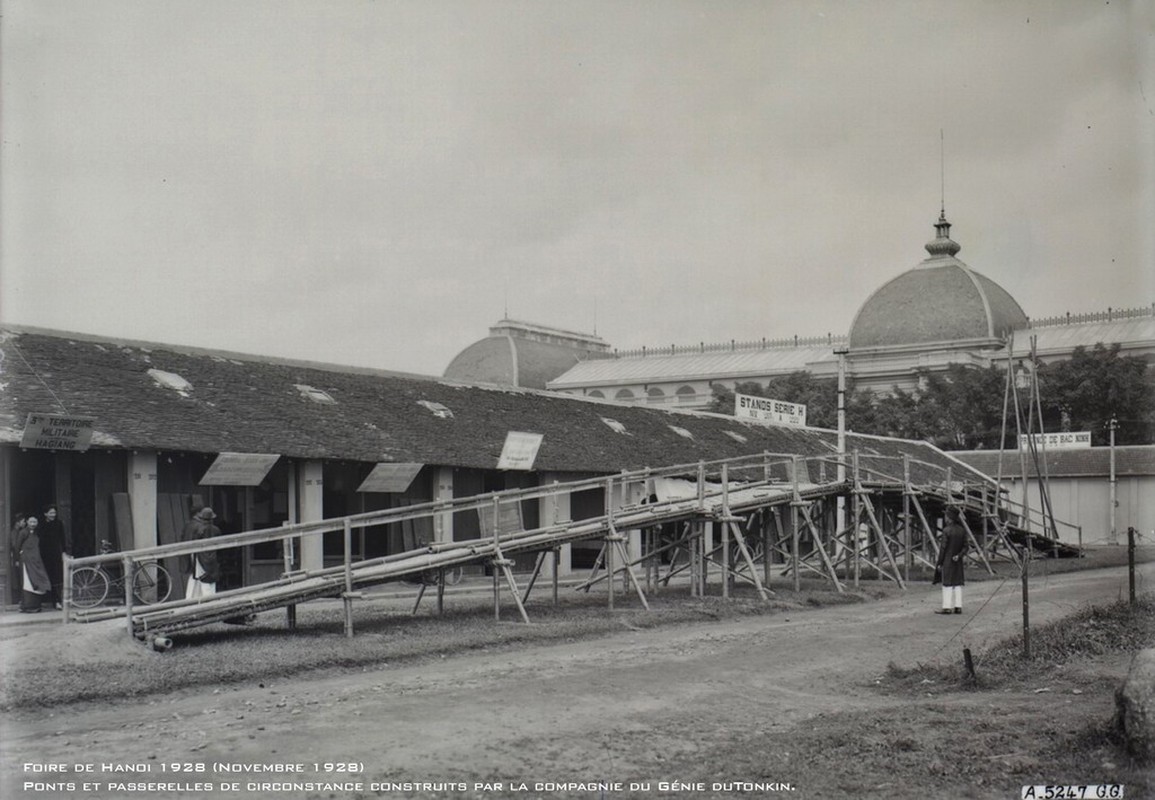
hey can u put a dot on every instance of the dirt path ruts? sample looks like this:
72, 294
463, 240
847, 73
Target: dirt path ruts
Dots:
580, 711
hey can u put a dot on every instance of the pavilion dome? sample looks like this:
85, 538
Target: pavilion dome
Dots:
523, 354
940, 300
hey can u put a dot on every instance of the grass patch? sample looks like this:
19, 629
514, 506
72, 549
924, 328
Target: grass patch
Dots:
913, 751
1092, 631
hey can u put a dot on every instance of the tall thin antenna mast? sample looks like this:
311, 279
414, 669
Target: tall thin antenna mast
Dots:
942, 168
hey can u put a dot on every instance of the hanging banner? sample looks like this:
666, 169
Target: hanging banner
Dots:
239, 469
1057, 441
520, 450
764, 409
56, 432
390, 478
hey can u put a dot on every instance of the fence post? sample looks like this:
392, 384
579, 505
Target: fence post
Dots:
1131, 562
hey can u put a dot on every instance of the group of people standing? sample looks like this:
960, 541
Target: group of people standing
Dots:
39, 545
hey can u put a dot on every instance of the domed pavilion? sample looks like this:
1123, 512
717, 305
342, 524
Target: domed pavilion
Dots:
523, 354
937, 313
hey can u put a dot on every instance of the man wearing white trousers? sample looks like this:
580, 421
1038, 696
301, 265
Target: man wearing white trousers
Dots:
950, 562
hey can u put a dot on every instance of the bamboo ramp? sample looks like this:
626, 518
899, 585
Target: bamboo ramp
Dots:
766, 489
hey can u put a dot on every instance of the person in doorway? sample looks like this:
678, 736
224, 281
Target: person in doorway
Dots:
54, 543
950, 562
26, 545
201, 568
18, 523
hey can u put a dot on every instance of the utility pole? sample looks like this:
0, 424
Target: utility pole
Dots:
1112, 426
840, 501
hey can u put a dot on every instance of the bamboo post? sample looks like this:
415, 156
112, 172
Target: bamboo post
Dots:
908, 556
794, 505
609, 547
496, 568
700, 552
1026, 569
857, 554
986, 518
348, 596
287, 556
556, 567
725, 532
129, 574
765, 520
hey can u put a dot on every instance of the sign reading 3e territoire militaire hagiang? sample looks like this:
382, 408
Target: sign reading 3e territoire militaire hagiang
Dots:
57, 432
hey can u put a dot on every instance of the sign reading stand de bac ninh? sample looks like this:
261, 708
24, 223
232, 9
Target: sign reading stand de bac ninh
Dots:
764, 409
1057, 441
56, 432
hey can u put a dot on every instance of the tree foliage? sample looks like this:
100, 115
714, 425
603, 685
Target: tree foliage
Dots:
1085, 391
961, 408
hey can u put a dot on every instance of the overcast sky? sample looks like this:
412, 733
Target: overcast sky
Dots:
375, 183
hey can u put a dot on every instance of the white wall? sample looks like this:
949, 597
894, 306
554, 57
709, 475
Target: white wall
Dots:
1086, 502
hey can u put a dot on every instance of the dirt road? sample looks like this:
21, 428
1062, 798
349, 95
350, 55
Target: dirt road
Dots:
634, 708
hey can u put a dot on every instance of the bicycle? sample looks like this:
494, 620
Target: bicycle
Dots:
151, 582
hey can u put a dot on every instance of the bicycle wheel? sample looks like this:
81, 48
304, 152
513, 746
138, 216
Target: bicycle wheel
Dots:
89, 587
151, 583
453, 576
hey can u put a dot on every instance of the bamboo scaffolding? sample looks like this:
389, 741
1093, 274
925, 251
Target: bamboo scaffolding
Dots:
760, 500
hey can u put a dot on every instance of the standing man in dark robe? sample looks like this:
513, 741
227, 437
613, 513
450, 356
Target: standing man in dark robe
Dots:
950, 562
54, 543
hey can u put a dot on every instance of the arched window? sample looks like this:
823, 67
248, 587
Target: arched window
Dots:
596, 393
686, 394
624, 394
656, 395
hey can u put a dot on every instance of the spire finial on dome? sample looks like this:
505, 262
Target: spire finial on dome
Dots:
942, 244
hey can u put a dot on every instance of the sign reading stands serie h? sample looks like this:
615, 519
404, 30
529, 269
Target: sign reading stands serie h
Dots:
1057, 441
239, 469
520, 450
56, 432
764, 409
387, 477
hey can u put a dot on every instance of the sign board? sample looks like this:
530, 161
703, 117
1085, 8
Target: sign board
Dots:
765, 409
55, 432
390, 478
509, 519
239, 469
1057, 441
520, 450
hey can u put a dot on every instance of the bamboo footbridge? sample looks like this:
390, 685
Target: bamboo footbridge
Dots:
832, 517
